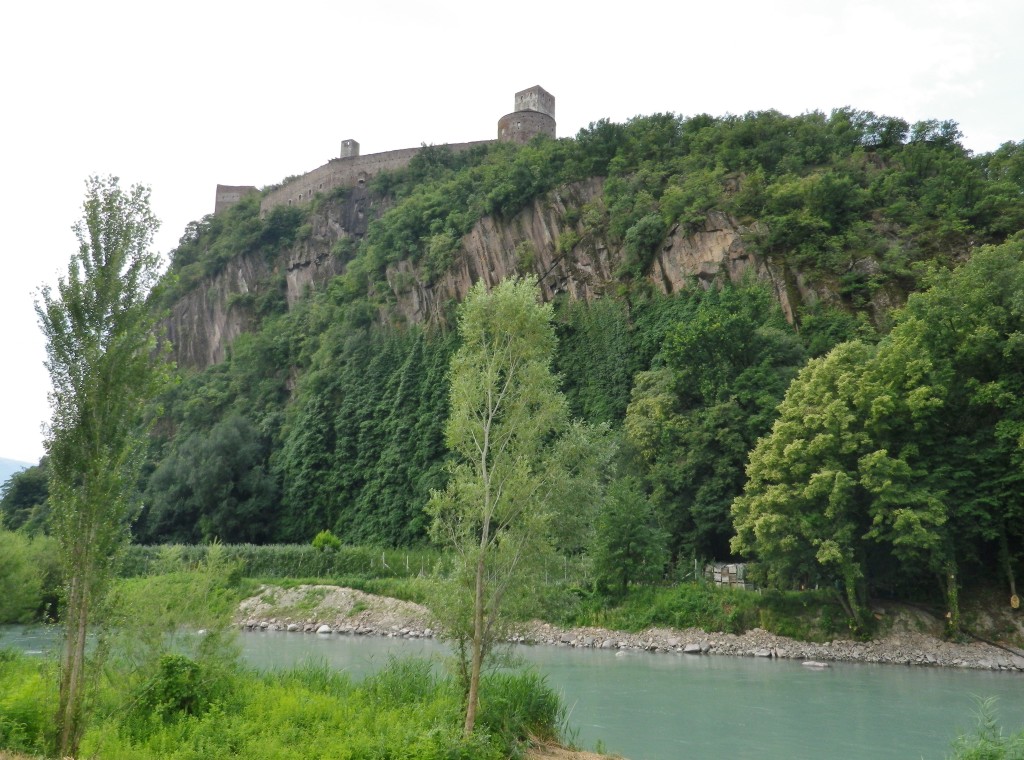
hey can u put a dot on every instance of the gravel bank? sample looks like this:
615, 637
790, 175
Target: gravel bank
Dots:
330, 610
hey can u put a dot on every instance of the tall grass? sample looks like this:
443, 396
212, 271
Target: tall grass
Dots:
406, 710
27, 703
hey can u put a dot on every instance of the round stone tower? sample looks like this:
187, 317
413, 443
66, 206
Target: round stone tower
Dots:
534, 115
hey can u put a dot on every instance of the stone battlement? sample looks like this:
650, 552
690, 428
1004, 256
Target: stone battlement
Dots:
534, 115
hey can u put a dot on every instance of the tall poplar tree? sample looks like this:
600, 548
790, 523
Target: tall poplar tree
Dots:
104, 363
506, 411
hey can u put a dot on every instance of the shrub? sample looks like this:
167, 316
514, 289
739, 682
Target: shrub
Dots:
21, 579
178, 689
27, 703
325, 541
641, 243
520, 706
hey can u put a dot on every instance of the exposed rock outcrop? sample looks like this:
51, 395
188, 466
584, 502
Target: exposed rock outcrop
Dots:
546, 238
206, 320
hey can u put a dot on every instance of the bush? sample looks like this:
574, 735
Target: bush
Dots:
21, 577
520, 706
641, 243
180, 688
325, 541
27, 703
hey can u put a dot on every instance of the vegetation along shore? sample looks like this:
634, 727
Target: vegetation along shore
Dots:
911, 637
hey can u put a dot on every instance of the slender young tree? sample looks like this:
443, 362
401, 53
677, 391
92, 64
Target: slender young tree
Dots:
506, 411
104, 363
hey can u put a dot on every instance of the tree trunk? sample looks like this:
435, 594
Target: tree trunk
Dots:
952, 601
856, 597
69, 717
473, 698
1004, 551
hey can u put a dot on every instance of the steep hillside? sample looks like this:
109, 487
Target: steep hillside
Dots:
695, 264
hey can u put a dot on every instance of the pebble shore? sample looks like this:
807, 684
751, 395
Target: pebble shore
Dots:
349, 612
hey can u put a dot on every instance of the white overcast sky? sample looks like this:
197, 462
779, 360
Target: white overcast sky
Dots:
183, 95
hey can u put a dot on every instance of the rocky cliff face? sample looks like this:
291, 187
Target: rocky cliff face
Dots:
205, 322
531, 243
545, 238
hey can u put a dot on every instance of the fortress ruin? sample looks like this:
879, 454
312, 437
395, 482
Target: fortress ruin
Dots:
534, 115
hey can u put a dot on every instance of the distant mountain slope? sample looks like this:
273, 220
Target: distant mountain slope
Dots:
10, 466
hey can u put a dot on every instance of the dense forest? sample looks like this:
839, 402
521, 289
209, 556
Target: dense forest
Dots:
873, 441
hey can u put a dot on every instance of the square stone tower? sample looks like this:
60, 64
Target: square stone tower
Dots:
349, 148
534, 115
536, 98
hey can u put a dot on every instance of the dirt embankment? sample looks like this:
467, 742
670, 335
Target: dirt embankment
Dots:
911, 639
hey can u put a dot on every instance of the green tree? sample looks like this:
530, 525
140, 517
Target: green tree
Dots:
104, 364
213, 486
911, 450
629, 547
718, 378
23, 499
505, 410
802, 512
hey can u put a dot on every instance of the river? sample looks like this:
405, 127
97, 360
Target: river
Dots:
667, 707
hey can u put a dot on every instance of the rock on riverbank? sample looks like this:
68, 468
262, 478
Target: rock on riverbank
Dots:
333, 610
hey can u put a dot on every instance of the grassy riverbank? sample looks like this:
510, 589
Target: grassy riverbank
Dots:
189, 710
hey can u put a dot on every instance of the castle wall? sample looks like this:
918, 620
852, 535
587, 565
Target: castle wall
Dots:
522, 126
228, 195
345, 172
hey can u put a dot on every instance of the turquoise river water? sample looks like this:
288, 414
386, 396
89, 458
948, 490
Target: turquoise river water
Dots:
674, 707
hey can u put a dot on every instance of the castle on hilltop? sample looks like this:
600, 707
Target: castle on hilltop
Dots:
534, 115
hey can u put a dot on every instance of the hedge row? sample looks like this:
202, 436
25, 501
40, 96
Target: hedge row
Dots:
287, 560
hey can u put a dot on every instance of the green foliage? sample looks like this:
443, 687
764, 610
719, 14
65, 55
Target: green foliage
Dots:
584, 458
403, 710
209, 244
505, 412
24, 499
988, 742
363, 443
864, 465
597, 358
520, 707
213, 486
104, 364
325, 541
177, 690
27, 703
723, 366
641, 244
806, 615
288, 560
29, 576
629, 547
